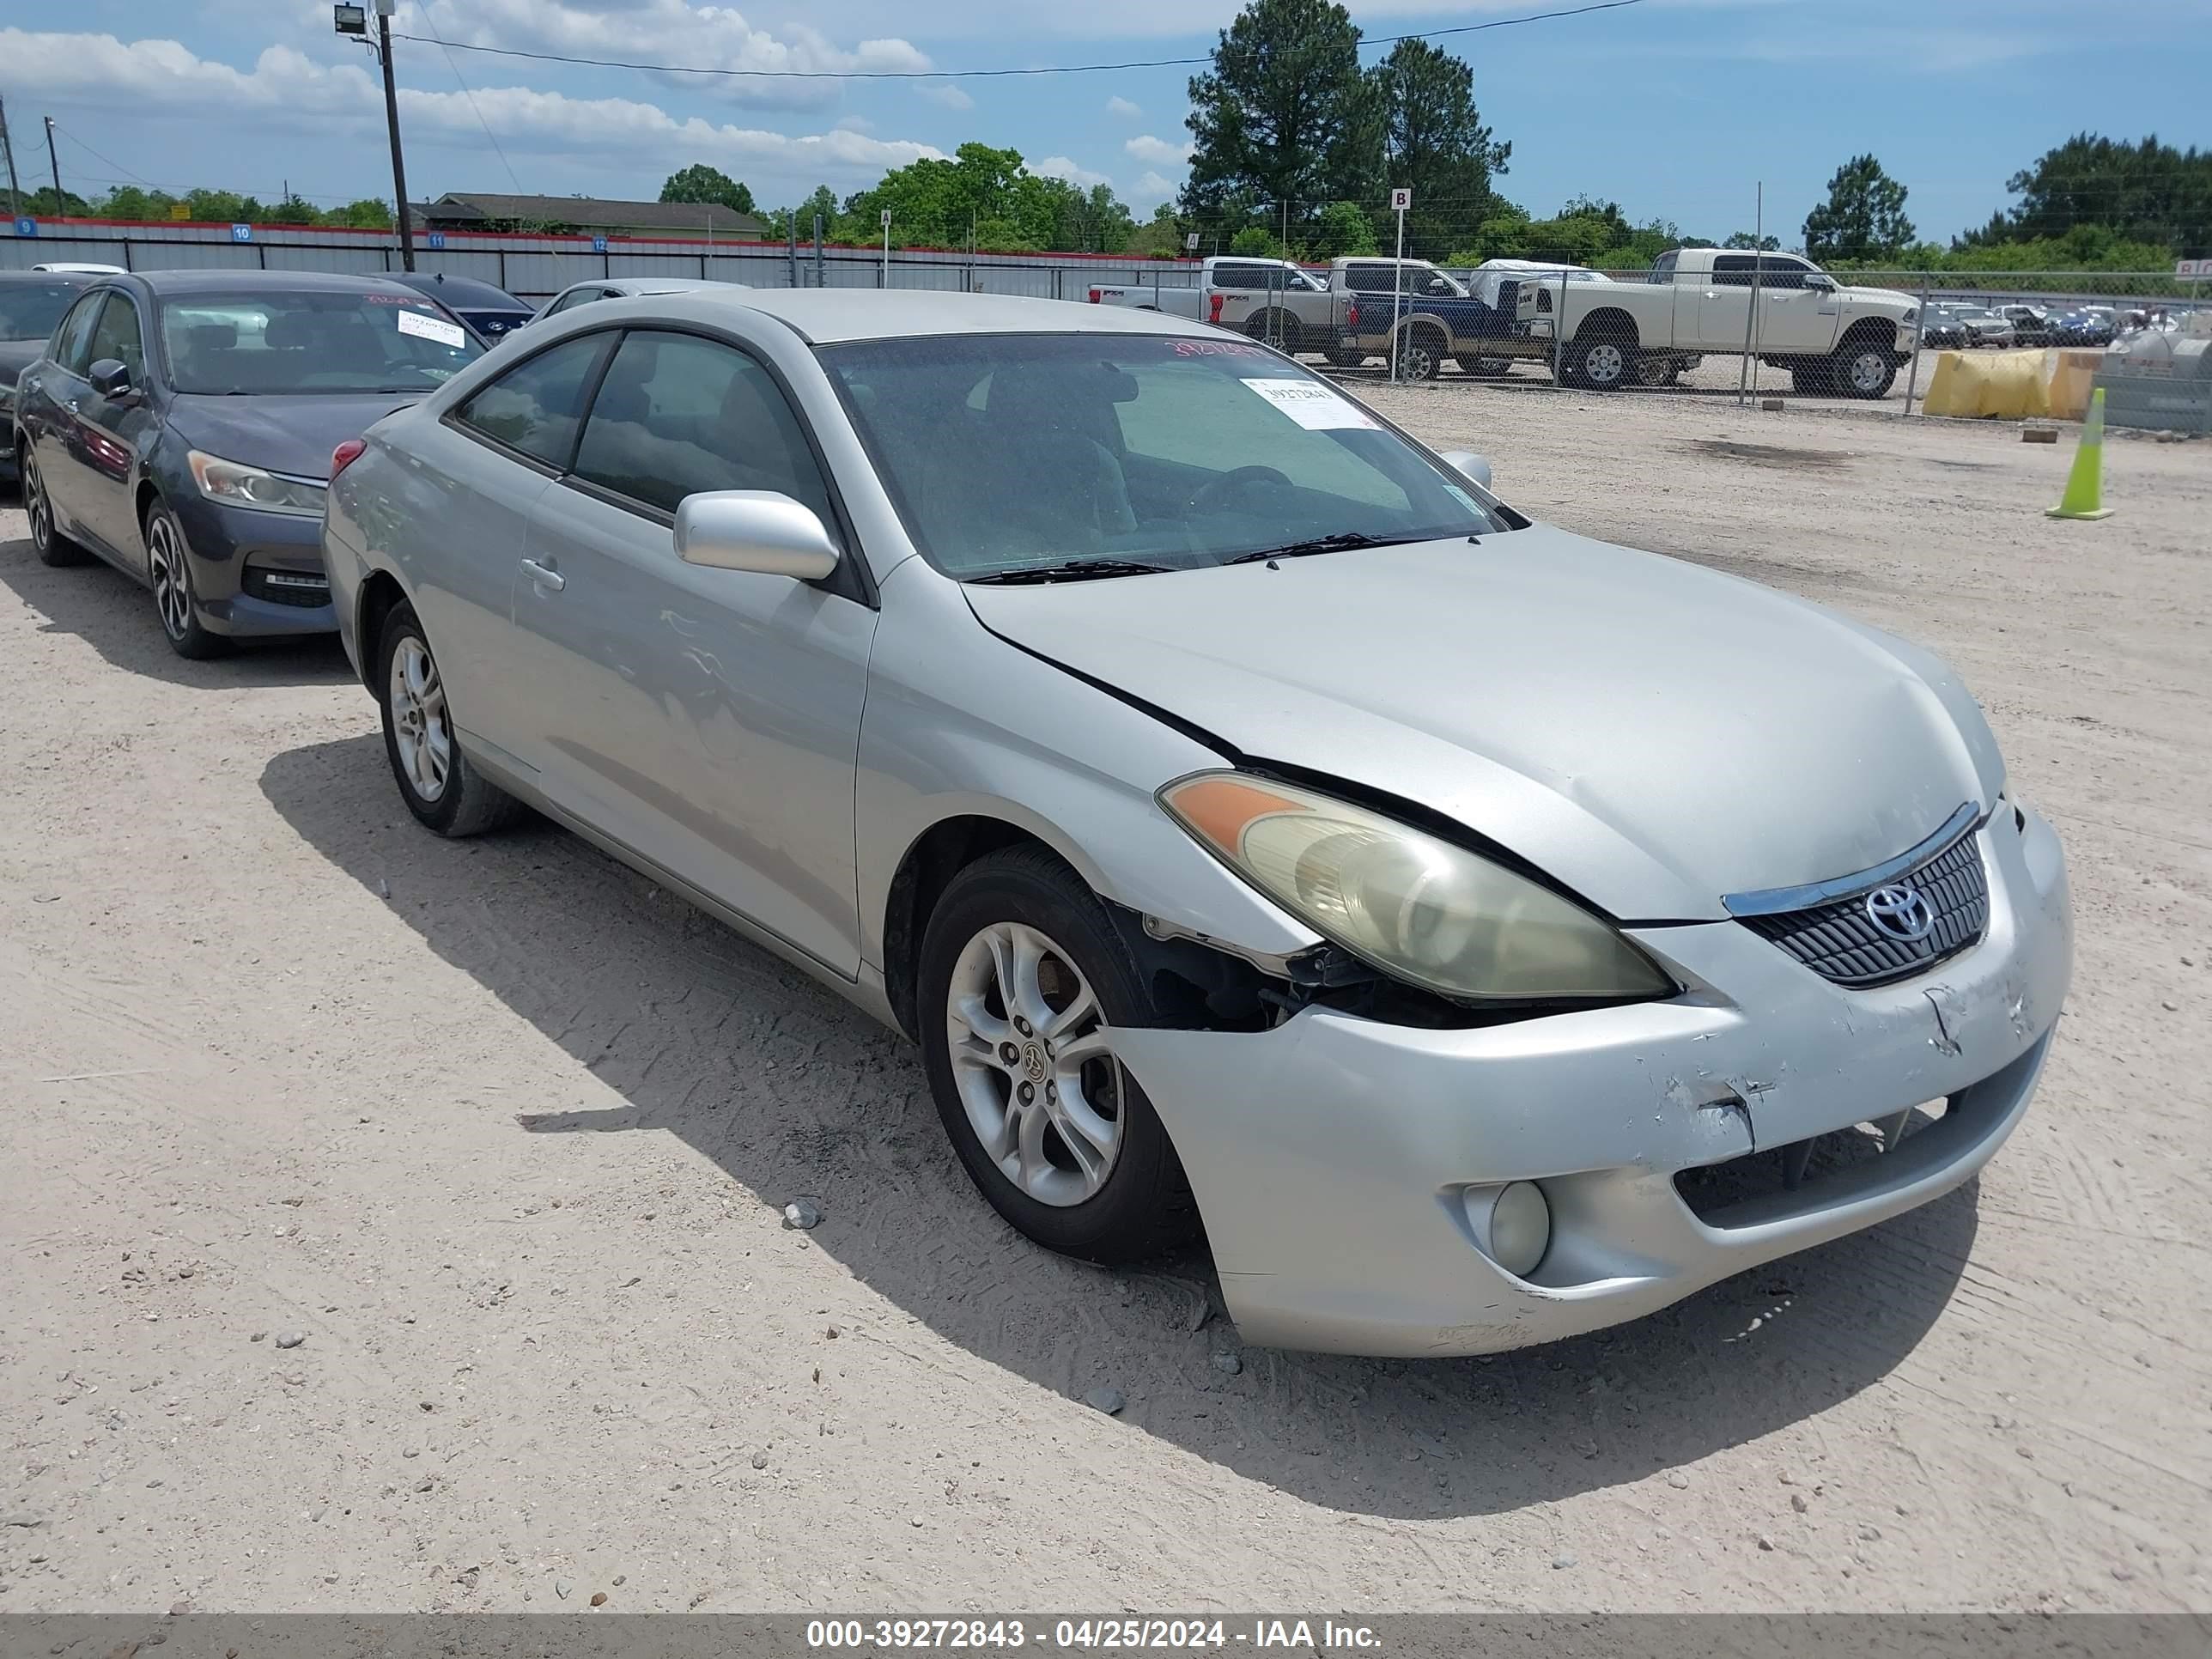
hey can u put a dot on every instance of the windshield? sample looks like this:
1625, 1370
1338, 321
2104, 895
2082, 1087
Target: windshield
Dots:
310, 342
28, 311
1031, 451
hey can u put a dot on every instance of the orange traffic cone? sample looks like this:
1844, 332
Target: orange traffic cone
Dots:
2085, 485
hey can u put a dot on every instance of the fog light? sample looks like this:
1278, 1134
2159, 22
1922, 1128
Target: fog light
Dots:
1512, 1224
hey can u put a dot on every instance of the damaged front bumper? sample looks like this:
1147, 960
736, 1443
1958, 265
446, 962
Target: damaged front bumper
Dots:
1331, 1155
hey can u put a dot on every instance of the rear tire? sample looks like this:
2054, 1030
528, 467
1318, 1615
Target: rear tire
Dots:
445, 793
1420, 356
1603, 362
1345, 357
1484, 369
46, 540
1278, 329
1020, 915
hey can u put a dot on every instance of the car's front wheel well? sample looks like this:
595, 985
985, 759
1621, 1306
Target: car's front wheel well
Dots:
942, 852
144, 502
379, 594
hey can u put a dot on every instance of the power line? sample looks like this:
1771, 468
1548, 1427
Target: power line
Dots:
444, 48
988, 73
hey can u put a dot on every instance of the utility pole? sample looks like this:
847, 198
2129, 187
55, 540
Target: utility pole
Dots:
350, 21
14, 192
61, 202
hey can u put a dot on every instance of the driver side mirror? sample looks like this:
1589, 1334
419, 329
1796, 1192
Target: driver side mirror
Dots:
756, 529
111, 378
1468, 465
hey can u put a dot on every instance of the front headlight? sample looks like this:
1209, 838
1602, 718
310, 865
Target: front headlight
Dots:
1419, 909
239, 485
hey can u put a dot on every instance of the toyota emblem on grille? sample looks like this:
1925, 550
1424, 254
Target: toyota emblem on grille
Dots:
1900, 912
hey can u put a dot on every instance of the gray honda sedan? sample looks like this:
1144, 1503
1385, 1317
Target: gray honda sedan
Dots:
1485, 933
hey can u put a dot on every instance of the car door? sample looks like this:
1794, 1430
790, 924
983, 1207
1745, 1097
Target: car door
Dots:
1724, 306
481, 471
48, 408
115, 433
706, 719
1790, 315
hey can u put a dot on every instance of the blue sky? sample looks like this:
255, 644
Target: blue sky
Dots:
1676, 108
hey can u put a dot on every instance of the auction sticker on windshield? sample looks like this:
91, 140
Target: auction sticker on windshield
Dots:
431, 328
1311, 404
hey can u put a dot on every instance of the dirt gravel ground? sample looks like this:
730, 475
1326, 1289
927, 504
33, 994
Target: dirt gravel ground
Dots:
502, 1134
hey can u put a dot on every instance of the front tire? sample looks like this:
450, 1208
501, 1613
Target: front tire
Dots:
445, 792
169, 573
46, 539
1484, 369
1278, 329
1864, 370
1022, 977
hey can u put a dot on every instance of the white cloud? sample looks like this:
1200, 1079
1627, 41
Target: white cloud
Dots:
288, 92
1121, 106
949, 95
1158, 151
1150, 191
1058, 166
673, 32
855, 124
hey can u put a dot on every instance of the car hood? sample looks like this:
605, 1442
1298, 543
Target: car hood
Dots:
16, 356
1877, 296
286, 433
1653, 733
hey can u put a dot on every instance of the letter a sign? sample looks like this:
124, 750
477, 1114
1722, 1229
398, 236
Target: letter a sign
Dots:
1400, 200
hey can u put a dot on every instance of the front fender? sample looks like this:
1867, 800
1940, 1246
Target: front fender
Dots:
961, 723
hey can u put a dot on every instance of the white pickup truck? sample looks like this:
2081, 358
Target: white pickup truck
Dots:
1271, 300
1836, 341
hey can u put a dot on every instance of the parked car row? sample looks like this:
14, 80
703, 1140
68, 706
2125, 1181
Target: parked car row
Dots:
1259, 825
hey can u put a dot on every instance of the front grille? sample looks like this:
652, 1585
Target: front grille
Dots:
298, 587
1839, 941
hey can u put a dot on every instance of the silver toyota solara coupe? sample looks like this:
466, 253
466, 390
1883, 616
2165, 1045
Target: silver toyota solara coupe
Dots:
1484, 933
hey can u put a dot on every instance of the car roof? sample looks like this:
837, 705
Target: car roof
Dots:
466, 290
826, 316
221, 281
68, 278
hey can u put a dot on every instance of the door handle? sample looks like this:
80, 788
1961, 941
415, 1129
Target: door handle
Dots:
544, 575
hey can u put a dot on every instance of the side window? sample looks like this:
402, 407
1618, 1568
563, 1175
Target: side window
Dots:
1733, 270
73, 339
535, 407
677, 415
1777, 272
570, 301
1367, 279
1663, 268
118, 335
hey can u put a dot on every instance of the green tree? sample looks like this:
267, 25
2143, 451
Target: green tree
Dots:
43, 204
1863, 217
990, 196
293, 211
1254, 243
1284, 116
1744, 239
1342, 228
366, 213
1434, 142
1162, 237
700, 183
2145, 192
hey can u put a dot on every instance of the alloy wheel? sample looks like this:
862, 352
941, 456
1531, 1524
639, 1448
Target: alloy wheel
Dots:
172, 589
420, 729
1033, 1064
34, 505
1416, 362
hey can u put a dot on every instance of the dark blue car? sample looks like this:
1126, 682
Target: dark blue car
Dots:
179, 425
489, 311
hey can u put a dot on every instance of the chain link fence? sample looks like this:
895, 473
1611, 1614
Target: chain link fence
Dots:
1700, 323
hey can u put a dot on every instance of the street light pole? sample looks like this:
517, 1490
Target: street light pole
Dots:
352, 22
61, 202
384, 8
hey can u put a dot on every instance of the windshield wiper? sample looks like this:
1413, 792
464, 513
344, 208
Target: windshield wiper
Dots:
1341, 542
1075, 570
